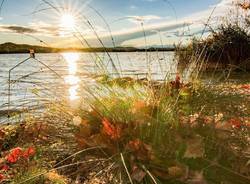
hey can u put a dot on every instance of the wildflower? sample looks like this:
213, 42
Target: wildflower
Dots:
29, 152
15, 155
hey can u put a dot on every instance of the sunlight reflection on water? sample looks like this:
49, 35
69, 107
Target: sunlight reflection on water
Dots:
72, 79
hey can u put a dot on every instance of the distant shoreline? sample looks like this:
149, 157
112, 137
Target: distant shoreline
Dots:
12, 48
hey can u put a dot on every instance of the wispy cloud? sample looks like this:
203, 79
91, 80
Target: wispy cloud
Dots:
38, 28
145, 18
122, 36
186, 27
17, 29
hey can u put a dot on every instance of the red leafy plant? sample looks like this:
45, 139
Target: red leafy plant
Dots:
13, 157
18, 153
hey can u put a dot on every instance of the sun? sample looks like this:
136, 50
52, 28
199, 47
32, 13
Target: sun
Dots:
68, 21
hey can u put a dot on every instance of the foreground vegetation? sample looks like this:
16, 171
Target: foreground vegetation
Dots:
135, 132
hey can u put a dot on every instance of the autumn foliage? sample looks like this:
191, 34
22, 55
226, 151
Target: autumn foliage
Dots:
14, 156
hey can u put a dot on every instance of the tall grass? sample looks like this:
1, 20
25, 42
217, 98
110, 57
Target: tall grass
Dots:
227, 46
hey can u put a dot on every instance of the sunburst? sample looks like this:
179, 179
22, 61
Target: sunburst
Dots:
68, 21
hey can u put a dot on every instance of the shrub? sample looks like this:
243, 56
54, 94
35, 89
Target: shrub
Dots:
227, 46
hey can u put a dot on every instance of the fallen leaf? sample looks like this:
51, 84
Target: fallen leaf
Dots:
138, 174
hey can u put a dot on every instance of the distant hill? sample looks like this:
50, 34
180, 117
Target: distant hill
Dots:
9, 48
23, 48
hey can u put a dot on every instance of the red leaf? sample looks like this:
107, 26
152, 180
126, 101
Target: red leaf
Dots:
235, 123
138, 174
1, 177
5, 168
246, 86
29, 152
111, 130
14, 155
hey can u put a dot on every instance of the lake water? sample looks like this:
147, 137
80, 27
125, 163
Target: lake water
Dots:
56, 76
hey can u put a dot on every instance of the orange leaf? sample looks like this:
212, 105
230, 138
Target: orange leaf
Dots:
111, 130
29, 152
14, 155
236, 123
5, 168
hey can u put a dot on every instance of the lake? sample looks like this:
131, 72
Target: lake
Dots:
59, 76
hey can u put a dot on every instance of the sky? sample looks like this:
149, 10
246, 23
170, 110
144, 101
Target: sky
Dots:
137, 23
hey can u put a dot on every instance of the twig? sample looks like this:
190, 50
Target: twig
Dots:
77, 153
124, 164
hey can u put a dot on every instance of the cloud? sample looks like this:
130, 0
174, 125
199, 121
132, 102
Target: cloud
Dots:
122, 36
38, 28
139, 19
224, 3
43, 29
17, 29
195, 22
